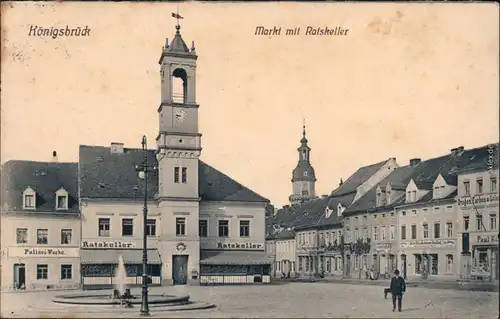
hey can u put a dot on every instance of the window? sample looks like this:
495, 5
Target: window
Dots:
392, 232
466, 223
305, 192
413, 231
22, 236
42, 236
449, 263
493, 184
203, 228
180, 226
382, 232
413, 196
66, 271
425, 228
244, 228
467, 187
66, 236
356, 234
151, 227
479, 222
223, 228
414, 212
479, 186
104, 227
29, 201
403, 213
493, 221
127, 227
375, 233
383, 215
403, 232
437, 230
184, 175
449, 229
42, 271
176, 174
62, 202
365, 233
437, 194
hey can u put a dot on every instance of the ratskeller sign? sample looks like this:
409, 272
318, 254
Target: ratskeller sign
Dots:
107, 244
242, 246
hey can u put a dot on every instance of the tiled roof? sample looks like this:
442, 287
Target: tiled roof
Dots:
483, 157
45, 178
358, 178
107, 175
367, 202
335, 218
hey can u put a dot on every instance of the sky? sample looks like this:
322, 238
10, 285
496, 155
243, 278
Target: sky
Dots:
408, 80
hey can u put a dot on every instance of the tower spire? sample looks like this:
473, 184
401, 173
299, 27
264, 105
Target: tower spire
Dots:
304, 127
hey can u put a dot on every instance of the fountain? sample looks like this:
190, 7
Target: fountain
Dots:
120, 276
122, 297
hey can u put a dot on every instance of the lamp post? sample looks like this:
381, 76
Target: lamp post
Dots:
143, 170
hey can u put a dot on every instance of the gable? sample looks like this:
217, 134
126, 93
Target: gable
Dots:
439, 181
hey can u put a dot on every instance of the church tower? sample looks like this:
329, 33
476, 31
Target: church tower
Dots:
178, 141
303, 176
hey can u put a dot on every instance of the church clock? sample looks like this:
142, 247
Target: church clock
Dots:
180, 115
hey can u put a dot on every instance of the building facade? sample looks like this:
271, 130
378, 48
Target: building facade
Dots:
203, 227
427, 230
478, 202
40, 226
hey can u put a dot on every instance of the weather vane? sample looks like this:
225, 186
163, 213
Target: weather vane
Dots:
177, 16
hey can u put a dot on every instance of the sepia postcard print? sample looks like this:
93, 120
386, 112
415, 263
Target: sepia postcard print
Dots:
244, 160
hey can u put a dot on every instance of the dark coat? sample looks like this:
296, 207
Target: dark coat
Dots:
398, 286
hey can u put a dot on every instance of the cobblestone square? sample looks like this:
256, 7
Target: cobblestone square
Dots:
294, 300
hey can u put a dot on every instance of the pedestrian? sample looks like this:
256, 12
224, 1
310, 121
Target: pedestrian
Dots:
398, 288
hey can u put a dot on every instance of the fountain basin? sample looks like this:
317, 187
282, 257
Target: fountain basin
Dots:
106, 300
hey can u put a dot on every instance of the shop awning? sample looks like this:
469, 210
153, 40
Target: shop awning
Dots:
234, 258
111, 256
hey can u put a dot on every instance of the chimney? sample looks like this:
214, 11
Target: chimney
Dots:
54, 157
460, 149
116, 148
415, 161
454, 150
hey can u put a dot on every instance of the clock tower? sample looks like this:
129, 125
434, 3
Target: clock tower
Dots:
303, 176
178, 140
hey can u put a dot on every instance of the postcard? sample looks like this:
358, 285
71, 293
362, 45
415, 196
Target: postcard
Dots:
249, 159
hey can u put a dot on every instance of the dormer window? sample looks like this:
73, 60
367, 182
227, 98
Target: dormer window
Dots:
29, 199
61, 199
381, 197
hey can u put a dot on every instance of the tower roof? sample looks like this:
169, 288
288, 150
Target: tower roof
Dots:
178, 45
178, 48
304, 171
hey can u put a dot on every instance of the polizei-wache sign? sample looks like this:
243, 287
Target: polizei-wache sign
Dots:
240, 246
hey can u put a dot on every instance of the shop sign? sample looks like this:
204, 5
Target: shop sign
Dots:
112, 244
478, 200
487, 239
22, 252
240, 246
428, 243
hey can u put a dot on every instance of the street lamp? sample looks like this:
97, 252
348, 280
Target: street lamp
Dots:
143, 170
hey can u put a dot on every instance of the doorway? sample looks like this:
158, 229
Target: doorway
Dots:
179, 269
19, 276
403, 265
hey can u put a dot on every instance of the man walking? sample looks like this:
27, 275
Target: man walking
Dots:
398, 288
